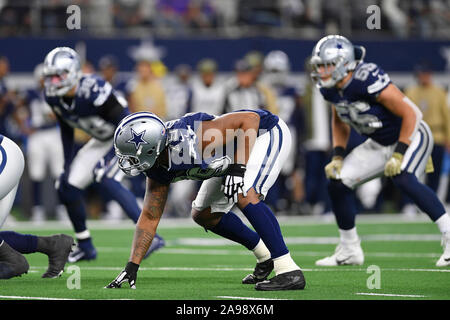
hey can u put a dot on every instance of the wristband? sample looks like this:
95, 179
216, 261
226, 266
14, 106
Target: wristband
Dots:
131, 267
236, 170
401, 147
339, 152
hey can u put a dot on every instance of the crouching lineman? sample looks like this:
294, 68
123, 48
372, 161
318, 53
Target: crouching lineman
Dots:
89, 103
192, 147
12, 244
399, 143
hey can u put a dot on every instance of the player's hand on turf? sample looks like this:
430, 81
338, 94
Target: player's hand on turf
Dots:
394, 165
129, 274
333, 169
234, 182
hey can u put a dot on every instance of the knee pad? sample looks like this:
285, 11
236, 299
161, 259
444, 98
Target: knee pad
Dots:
68, 193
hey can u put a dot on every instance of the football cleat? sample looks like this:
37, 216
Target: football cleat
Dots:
261, 272
345, 254
157, 243
444, 260
293, 280
79, 254
60, 246
12, 263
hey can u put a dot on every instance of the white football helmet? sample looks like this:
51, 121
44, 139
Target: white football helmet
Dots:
62, 71
138, 141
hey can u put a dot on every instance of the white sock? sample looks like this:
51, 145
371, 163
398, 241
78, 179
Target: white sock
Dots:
284, 264
83, 235
348, 235
443, 223
261, 252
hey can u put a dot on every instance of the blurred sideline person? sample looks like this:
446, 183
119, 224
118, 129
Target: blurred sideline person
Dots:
317, 148
12, 244
399, 143
179, 92
276, 75
432, 101
146, 90
44, 147
192, 147
208, 93
89, 103
243, 91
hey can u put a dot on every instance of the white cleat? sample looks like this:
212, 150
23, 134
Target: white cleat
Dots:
444, 260
345, 254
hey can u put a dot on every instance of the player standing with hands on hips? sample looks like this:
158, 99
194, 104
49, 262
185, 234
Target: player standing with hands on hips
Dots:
399, 143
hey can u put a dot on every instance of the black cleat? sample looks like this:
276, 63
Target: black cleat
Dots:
293, 280
261, 272
12, 263
58, 248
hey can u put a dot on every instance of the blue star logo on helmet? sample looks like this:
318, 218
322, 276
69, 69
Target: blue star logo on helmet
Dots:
137, 139
339, 46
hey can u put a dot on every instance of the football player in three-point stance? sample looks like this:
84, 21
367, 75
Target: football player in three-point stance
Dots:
399, 143
13, 244
89, 103
200, 146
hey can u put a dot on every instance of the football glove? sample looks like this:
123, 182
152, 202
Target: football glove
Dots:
129, 274
394, 164
234, 182
333, 169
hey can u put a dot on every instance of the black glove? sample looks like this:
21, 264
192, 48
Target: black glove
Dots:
129, 274
234, 181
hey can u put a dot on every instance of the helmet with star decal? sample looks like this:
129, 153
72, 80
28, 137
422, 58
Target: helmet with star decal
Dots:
138, 141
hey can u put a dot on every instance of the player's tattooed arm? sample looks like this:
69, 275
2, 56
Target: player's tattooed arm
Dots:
340, 130
154, 203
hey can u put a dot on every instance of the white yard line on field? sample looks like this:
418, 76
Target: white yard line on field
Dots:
325, 269
390, 295
246, 298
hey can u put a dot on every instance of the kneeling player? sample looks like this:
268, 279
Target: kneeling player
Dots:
192, 147
12, 244
399, 143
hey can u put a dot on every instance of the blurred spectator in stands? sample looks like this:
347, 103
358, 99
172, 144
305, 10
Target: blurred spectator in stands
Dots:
10, 119
243, 91
44, 149
146, 90
432, 101
130, 13
201, 14
259, 12
397, 17
208, 93
179, 92
108, 66
317, 148
276, 75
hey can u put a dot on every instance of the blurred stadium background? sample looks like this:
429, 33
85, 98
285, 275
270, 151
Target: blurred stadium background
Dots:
160, 53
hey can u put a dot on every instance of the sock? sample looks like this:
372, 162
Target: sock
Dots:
23, 243
348, 235
343, 203
443, 223
72, 198
261, 252
266, 225
425, 198
284, 264
123, 196
231, 227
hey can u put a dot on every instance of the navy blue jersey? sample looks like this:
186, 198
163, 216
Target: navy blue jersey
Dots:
185, 162
356, 104
84, 110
